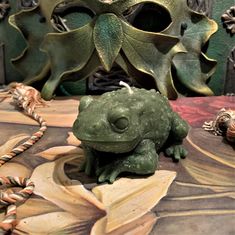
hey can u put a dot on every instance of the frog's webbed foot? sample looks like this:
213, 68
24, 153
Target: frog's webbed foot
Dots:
142, 161
110, 172
177, 152
179, 131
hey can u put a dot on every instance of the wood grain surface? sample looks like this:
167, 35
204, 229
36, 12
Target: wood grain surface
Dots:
195, 196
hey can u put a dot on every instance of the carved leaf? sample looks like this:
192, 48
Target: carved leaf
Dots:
123, 199
72, 140
11, 143
60, 151
15, 170
52, 184
141, 226
51, 223
61, 205
35, 206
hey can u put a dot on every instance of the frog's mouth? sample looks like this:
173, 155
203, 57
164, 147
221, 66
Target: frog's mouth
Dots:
113, 147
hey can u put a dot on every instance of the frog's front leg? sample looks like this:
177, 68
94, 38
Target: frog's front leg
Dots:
89, 165
143, 160
179, 131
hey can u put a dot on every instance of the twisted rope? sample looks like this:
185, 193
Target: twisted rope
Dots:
30, 142
26, 98
9, 200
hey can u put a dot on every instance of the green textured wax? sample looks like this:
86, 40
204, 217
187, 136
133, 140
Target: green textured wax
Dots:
123, 131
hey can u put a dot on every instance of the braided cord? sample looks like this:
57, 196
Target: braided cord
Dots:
10, 200
26, 98
30, 142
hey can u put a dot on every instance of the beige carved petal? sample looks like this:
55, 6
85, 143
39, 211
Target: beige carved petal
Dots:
35, 207
141, 226
15, 169
72, 140
124, 199
51, 223
52, 184
60, 151
55, 114
11, 143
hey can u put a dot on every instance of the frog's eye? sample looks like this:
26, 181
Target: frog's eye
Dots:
121, 124
118, 119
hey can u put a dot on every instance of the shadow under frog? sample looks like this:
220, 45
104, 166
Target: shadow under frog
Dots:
123, 132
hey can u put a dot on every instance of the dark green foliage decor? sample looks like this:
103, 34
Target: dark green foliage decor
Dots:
157, 43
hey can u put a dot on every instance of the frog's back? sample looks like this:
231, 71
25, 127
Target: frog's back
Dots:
149, 98
152, 108
156, 117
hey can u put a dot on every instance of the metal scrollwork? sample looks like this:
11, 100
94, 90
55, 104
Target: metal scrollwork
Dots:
229, 88
28, 3
2, 65
228, 19
4, 8
232, 58
201, 6
223, 124
103, 81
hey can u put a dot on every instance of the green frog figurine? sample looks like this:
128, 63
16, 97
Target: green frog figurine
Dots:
124, 130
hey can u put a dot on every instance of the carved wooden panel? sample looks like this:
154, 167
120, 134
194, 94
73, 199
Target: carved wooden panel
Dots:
2, 66
65, 201
229, 87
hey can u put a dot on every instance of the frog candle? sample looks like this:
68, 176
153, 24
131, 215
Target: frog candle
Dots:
123, 131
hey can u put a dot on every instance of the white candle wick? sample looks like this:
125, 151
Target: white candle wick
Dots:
108, 1
121, 83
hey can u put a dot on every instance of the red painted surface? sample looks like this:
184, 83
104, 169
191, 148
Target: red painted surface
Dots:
197, 110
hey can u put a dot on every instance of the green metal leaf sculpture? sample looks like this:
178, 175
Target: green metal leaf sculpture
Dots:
145, 51
108, 38
33, 64
193, 68
8, 37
